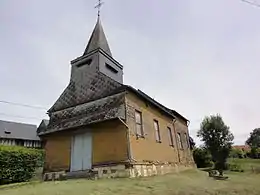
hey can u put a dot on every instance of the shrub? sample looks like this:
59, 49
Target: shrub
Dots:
255, 153
202, 158
234, 167
18, 164
237, 153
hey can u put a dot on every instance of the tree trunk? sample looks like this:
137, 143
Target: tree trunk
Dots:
220, 172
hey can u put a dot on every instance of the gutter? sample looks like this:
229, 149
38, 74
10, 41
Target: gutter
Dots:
175, 133
129, 152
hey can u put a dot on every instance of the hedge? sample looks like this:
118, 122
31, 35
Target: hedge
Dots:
18, 164
202, 158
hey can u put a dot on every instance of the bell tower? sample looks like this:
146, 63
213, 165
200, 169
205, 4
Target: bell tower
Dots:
98, 55
94, 75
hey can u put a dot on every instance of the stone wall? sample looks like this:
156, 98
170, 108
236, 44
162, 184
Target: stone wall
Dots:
146, 148
120, 171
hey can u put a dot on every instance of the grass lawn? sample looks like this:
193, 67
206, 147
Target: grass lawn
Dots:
246, 163
186, 183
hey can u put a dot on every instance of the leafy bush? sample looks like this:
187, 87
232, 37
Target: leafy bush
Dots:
18, 164
237, 153
202, 158
40, 157
235, 167
255, 153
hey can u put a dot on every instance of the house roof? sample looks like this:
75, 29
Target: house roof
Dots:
110, 107
14, 130
242, 147
146, 97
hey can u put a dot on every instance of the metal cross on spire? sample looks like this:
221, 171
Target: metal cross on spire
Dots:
98, 6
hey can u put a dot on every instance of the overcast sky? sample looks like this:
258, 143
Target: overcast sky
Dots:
199, 57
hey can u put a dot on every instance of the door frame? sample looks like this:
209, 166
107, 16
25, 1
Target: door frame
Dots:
76, 133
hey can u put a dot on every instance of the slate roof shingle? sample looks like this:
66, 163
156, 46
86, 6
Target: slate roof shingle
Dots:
14, 130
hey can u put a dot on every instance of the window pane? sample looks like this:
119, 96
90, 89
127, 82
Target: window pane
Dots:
138, 117
170, 136
139, 129
157, 131
179, 140
138, 121
157, 136
156, 126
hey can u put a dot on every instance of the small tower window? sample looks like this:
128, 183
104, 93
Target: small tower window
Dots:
111, 68
88, 62
7, 132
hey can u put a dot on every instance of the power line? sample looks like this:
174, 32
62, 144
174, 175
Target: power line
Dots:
18, 116
23, 105
254, 3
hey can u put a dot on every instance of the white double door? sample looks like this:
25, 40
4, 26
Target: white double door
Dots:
81, 152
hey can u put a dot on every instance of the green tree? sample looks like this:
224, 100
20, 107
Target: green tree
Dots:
254, 139
217, 139
202, 157
237, 153
192, 143
255, 153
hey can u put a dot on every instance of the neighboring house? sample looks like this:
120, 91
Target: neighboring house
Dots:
19, 134
244, 148
100, 124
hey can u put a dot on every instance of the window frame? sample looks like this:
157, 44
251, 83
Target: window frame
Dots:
170, 136
157, 131
139, 134
111, 68
187, 140
180, 144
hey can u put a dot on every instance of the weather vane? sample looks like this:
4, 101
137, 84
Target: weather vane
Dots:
98, 6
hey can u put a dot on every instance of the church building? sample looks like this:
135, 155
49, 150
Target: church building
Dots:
99, 125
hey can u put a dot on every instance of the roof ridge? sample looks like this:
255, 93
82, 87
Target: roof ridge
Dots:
21, 123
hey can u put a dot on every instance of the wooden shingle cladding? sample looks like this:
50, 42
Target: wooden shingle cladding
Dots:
107, 108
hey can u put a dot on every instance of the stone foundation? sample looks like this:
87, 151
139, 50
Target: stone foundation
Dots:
119, 171
147, 170
54, 176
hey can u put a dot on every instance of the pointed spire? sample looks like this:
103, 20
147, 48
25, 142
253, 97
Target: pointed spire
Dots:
98, 40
